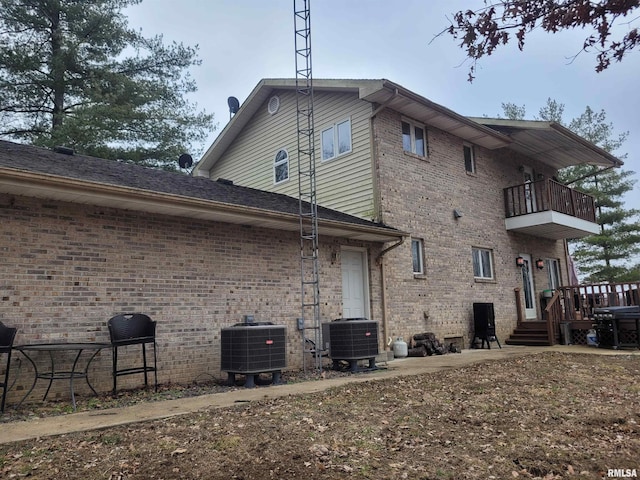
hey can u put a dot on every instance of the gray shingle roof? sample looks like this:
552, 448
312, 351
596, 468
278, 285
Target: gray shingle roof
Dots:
108, 172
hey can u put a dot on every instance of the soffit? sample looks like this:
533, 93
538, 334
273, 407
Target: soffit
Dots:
89, 193
550, 143
381, 93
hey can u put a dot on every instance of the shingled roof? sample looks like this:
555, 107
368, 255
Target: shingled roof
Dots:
32, 171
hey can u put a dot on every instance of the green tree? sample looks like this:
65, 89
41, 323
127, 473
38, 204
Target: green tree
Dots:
73, 73
606, 256
482, 31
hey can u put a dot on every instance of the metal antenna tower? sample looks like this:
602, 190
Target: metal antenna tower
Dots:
309, 278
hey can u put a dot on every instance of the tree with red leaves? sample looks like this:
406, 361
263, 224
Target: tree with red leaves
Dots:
482, 31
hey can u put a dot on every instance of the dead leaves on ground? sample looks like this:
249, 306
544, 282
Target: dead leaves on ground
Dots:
546, 416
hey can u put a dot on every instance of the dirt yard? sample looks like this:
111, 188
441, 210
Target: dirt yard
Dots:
545, 416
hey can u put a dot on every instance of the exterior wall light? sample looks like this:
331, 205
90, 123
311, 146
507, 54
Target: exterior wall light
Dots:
519, 261
539, 264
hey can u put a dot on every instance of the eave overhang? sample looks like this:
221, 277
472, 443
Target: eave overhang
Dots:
550, 143
380, 93
51, 187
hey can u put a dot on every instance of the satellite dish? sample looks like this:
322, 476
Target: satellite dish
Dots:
234, 105
185, 161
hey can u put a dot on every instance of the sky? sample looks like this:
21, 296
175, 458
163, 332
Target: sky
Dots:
242, 41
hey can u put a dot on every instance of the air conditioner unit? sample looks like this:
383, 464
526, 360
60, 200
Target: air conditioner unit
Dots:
253, 348
352, 339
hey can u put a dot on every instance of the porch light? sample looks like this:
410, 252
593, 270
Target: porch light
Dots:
519, 261
539, 264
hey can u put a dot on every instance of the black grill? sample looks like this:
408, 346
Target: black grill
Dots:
618, 326
253, 348
484, 324
353, 339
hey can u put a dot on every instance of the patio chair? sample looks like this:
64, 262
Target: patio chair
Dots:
7, 336
133, 329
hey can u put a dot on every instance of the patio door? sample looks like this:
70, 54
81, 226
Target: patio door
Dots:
354, 284
529, 190
528, 290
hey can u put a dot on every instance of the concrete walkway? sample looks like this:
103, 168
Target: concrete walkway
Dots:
97, 419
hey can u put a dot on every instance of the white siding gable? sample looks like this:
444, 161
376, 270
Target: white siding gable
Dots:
344, 183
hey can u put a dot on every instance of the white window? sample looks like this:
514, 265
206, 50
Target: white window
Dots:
281, 166
469, 158
414, 139
417, 256
482, 263
336, 140
553, 272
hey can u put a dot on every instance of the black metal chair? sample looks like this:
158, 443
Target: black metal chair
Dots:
133, 329
7, 336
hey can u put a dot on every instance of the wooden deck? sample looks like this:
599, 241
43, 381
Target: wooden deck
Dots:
574, 304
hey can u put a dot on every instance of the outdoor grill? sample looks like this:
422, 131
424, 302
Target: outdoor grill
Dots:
252, 348
351, 340
618, 326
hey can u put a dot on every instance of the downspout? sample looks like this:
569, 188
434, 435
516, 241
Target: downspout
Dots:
380, 260
377, 202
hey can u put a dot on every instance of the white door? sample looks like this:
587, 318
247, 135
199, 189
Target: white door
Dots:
529, 190
354, 284
528, 289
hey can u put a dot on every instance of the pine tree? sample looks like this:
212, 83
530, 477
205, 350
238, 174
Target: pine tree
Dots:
73, 73
608, 255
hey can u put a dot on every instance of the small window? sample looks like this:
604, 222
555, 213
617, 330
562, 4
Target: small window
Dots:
414, 139
482, 263
417, 256
553, 272
336, 140
281, 166
469, 158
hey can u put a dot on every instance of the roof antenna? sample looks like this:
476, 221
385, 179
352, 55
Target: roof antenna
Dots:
185, 161
234, 106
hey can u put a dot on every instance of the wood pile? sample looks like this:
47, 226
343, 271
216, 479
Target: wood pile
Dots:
426, 344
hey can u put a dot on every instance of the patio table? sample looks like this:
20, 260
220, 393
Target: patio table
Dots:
53, 374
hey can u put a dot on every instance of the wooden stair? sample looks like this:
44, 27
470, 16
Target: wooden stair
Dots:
533, 333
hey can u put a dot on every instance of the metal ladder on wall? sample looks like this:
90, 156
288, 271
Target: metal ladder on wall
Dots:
308, 208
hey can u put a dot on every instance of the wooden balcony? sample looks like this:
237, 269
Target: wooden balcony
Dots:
549, 209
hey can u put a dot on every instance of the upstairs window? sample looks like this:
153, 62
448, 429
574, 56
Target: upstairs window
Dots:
336, 140
281, 166
469, 158
417, 256
482, 263
414, 139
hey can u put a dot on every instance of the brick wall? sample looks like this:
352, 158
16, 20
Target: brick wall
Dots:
66, 269
418, 195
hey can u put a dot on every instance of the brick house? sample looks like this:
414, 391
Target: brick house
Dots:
83, 239
474, 194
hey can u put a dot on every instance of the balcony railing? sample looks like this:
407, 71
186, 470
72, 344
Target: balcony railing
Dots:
545, 195
576, 304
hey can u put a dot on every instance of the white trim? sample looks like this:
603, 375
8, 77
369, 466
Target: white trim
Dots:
274, 105
472, 150
530, 313
550, 217
278, 163
420, 243
336, 140
491, 263
412, 135
365, 277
